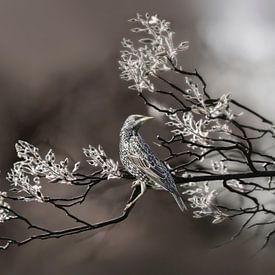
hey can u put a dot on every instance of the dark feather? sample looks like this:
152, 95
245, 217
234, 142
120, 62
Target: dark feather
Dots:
149, 164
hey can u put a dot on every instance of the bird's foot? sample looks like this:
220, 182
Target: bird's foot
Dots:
142, 190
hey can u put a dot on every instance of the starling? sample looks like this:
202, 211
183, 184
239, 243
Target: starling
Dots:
139, 160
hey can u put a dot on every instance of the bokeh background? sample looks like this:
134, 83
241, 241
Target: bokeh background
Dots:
60, 89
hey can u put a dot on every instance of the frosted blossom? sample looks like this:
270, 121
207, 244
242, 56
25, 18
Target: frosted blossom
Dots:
25, 174
217, 109
155, 53
195, 95
235, 184
4, 208
98, 158
196, 131
202, 200
221, 108
219, 167
199, 129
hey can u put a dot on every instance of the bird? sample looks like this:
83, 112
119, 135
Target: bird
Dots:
139, 160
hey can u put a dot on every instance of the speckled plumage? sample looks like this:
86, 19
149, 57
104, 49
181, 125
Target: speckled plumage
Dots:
139, 160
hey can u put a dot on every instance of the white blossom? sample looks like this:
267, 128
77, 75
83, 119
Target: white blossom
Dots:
4, 208
195, 95
196, 131
221, 108
216, 109
202, 200
25, 174
235, 184
203, 119
155, 53
219, 167
98, 158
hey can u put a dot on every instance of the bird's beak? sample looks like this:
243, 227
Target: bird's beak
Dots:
144, 119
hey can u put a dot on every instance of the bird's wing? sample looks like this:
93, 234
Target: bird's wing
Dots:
144, 159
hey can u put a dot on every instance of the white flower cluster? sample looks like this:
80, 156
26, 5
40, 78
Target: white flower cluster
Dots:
212, 111
25, 174
219, 167
221, 108
199, 129
202, 200
189, 127
98, 158
4, 208
236, 185
155, 54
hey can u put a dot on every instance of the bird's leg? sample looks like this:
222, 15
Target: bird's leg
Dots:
142, 190
135, 183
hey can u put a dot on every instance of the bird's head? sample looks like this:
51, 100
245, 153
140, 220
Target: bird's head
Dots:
134, 122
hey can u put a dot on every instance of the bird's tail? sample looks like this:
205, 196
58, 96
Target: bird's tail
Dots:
179, 201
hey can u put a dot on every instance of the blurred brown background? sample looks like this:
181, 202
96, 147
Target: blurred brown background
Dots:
60, 89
